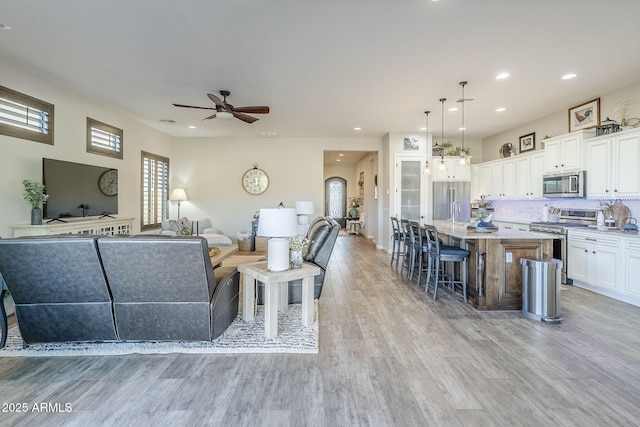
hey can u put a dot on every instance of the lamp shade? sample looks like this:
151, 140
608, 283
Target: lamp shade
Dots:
178, 194
277, 222
304, 207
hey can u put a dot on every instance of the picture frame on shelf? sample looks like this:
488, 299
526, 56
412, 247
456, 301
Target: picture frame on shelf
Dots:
584, 116
528, 142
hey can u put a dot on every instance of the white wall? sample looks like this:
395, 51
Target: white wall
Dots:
558, 123
210, 170
22, 159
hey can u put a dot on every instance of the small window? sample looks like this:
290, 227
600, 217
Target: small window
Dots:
22, 116
154, 190
104, 139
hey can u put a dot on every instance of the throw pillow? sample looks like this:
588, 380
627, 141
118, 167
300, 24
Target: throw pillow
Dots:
181, 226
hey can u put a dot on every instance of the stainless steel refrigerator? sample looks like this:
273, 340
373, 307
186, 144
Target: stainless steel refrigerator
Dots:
445, 193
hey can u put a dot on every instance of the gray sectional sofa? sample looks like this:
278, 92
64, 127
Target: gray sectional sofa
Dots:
72, 288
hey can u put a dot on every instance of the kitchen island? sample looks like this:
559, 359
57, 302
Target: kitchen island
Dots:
494, 271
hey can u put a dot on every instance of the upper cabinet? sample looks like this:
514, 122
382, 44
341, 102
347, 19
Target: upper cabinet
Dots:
452, 170
564, 153
518, 177
613, 164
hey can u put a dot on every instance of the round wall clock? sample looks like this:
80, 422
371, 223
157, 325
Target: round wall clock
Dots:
108, 182
255, 181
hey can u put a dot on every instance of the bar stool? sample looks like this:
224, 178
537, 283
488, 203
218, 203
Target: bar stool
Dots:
397, 240
407, 253
439, 254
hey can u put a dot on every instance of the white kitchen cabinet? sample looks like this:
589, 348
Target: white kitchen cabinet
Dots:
453, 170
503, 176
564, 153
483, 181
632, 268
594, 261
613, 164
528, 176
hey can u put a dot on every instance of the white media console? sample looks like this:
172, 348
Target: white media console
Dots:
89, 225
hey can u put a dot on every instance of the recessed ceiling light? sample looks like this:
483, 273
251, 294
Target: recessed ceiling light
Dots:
423, 128
569, 76
341, 154
192, 127
461, 128
357, 128
502, 76
501, 109
269, 134
453, 109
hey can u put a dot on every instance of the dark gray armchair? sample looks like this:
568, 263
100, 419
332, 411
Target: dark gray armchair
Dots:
322, 233
59, 289
165, 289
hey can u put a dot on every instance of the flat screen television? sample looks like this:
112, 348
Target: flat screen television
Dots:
77, 190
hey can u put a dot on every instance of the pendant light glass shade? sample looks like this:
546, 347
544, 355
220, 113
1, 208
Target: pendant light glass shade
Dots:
442, 166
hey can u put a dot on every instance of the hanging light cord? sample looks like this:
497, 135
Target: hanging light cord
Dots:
426, 166
463, 155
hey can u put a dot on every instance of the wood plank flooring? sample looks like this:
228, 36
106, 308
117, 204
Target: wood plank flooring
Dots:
389, 356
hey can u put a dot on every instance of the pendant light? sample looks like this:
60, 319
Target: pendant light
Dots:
442, 166
463, 156
427, 171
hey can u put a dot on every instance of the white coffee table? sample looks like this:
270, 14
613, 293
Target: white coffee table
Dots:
276, 293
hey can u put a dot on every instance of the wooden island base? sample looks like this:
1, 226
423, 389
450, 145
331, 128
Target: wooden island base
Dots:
494, 269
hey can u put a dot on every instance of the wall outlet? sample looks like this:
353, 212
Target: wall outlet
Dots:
509, 257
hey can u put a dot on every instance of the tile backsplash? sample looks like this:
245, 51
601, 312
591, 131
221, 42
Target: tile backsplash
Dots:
531, 210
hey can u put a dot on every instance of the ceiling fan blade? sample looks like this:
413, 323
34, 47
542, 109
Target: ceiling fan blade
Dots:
258, 109
213, 116
193, 106
215, 99
244, 117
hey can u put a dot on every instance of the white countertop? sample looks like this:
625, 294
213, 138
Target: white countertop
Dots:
461, 232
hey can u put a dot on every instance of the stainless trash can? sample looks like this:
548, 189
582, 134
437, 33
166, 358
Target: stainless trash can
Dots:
541, 286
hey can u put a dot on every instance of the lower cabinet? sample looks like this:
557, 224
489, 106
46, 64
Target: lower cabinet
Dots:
605, 262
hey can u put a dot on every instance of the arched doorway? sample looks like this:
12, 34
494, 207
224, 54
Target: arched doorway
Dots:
335, 204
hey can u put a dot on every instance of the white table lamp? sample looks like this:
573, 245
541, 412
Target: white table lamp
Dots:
279, 224
178, 194
303, 209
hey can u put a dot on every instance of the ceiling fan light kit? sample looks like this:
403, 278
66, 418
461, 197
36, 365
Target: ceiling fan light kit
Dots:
226, 111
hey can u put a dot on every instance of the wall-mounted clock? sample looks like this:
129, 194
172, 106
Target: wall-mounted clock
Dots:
108, 182
255, 181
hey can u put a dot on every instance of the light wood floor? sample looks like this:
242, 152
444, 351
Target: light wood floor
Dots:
389, 356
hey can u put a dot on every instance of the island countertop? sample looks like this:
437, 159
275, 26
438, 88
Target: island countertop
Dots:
461, 232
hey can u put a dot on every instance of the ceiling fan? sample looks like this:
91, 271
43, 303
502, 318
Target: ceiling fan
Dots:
226, 111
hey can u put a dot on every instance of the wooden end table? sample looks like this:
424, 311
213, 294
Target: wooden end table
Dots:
276, 293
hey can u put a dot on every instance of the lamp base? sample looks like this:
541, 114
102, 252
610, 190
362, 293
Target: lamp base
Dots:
278, 254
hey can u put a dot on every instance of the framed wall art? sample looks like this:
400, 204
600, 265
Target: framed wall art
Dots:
584, 116
411, 144
528, 142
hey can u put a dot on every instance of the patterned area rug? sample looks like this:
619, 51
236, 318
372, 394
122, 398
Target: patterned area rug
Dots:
240, 337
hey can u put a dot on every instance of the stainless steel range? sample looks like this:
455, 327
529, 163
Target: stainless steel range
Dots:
567, 218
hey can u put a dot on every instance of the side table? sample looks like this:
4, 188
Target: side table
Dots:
276, 293
353, 226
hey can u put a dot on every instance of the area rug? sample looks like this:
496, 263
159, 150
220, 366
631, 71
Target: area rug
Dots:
240, 337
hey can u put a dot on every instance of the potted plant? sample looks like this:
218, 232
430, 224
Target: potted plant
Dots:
354, 204
34, 194
296, 246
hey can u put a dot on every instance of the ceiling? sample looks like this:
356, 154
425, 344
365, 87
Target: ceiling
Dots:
326, 67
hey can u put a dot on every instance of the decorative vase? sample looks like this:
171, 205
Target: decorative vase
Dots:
296, 259
354, 213
36, 216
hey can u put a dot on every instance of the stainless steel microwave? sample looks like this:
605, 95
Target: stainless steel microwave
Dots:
567, 184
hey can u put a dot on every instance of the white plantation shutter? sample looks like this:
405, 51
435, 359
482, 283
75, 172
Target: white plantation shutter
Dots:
155, 190
24, 117
104, 139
